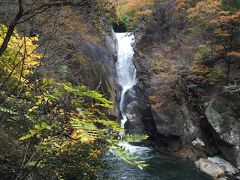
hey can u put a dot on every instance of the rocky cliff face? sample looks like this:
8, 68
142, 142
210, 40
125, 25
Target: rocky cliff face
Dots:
103, 56
81, 50
226, 132
184, 113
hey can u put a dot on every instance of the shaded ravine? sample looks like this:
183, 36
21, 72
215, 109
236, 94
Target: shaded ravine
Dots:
160, 166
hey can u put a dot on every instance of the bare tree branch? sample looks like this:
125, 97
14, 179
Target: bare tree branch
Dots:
11, 27
33, 12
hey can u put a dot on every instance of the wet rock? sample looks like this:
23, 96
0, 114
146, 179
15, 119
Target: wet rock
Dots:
134, 123
226, 132
222, 178
174, 125
104, 57
130, 96
121, 135
198, 142
223, 164
208, 167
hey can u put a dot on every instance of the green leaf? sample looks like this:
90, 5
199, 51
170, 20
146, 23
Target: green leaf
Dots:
49, 128
36, 126
47, 81
25, 137
44, 125
33, 108
33, 132
136, 137
5, 110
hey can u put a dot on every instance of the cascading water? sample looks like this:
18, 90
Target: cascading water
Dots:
126, 79
160, 167
125, 68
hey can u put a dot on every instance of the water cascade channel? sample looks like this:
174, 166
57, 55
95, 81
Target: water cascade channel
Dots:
125, 69
161, 167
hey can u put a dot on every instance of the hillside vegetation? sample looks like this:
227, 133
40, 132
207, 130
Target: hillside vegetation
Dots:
132, 12
54, 118
188, 61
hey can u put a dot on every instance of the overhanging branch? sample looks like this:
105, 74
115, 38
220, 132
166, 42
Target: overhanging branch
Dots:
28, 14
11, 27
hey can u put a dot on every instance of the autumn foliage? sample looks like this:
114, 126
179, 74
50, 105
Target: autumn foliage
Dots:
50, 126
132, 12
220, 21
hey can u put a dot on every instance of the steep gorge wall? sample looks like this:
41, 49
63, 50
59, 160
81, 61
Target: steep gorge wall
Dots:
81, 50
180, 108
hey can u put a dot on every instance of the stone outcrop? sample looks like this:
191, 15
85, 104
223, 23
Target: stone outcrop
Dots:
209, 168
226, 166
134, 124
103, 57
216, 167
226, 132
82, 54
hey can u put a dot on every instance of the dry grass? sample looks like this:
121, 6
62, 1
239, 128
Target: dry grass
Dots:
129, 4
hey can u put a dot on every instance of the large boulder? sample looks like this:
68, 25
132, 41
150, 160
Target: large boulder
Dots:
173, 121
129, 96
226, 132
134, 123
210, 168
226, 166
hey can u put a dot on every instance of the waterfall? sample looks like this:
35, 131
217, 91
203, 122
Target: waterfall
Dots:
125, 68
161, 167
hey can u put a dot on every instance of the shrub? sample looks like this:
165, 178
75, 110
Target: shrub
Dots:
216, 73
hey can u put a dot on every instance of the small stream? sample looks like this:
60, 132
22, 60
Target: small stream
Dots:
160, 167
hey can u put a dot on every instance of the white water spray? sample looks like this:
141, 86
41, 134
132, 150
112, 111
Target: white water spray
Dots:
125, 68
